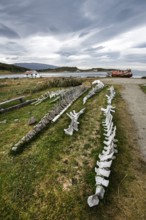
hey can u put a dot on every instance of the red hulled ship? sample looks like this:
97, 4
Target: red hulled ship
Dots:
120, 73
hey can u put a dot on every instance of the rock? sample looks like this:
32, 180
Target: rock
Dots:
32, 121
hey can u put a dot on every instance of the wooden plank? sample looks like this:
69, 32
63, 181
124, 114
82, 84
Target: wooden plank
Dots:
27, 102
11, 100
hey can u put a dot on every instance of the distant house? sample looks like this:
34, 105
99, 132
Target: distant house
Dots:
32, 74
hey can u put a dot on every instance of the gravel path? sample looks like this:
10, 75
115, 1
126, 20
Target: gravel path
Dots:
136, 102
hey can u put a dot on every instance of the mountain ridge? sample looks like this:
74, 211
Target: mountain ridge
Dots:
13, 68
35, 66
9, 68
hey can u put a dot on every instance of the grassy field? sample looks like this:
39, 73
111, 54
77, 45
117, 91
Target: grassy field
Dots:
53, 177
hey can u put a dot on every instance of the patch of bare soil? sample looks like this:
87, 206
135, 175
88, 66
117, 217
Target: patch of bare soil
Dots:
136, 102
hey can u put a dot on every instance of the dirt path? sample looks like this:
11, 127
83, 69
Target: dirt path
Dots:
136, 102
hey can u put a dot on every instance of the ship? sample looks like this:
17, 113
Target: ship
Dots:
120, 73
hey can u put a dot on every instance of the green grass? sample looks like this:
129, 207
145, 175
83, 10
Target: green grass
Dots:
39, 175
143, 87
54, 176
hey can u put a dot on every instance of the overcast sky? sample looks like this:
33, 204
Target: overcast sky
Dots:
83, 33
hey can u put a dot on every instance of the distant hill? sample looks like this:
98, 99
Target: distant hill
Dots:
35, 66
22, 67
75, 69
61, 69
8, 68
98, 69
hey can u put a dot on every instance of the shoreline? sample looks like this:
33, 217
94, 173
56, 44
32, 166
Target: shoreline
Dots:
66, 75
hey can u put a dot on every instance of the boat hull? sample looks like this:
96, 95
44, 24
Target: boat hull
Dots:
121, 73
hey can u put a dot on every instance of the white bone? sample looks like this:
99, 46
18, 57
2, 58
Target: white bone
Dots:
105, 164
107, 143
102, 172
106, 157
109, 150
98, 82
93, 200
115, 140
92, 92
100, 191
109, 109
69, 131
112, 145
111, 132
109, 127
101, 181
108, 120
110, 139
115, 151
74, 123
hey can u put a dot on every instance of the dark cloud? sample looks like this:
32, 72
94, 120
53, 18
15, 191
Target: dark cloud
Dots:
66, 16
114, 11
35, 16
7, 32
83, 34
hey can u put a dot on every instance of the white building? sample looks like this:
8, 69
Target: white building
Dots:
32, 74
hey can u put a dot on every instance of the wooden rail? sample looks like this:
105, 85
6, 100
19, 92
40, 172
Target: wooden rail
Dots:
15, 99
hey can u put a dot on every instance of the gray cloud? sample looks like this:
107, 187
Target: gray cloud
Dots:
66, 54
7, 32
12, 58
85, 33
12, 48
108, 55
142, 45
94, 50
90, 22
115, 17
45, 16
60, 17
131, 58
